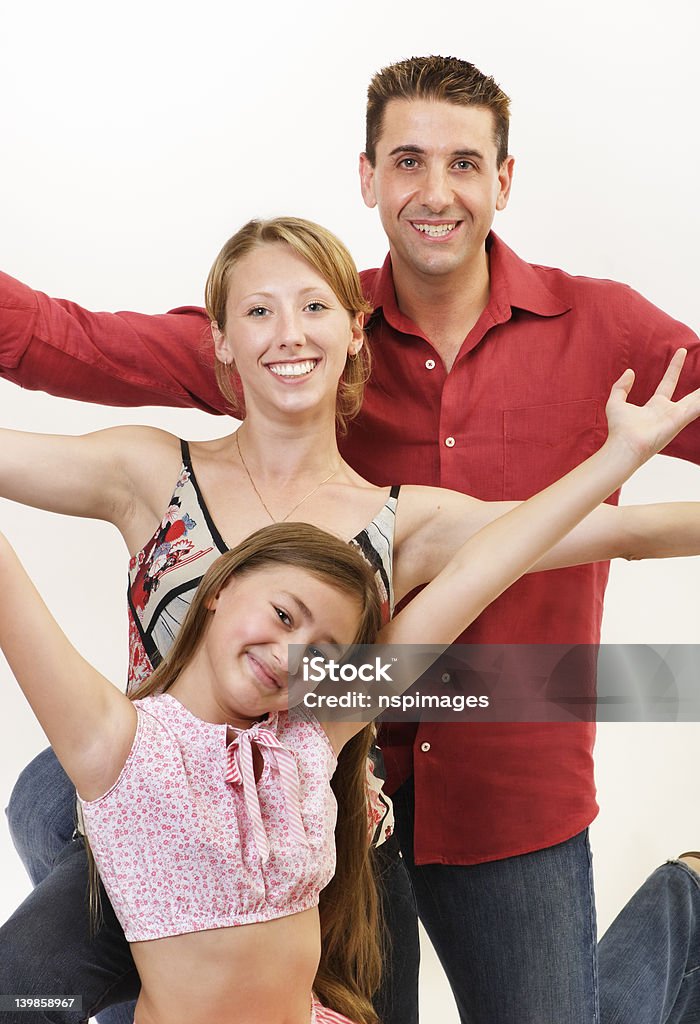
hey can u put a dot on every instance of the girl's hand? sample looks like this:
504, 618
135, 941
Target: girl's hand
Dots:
647, 429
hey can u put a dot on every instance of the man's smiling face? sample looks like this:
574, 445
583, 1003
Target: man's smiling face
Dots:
436, 183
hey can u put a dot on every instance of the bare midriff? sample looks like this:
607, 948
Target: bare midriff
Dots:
242, 975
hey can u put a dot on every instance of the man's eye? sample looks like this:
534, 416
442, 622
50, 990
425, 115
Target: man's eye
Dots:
408, 162
464, 165
283, 616
257, 311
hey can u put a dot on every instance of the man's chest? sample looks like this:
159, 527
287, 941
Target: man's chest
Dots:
514, 413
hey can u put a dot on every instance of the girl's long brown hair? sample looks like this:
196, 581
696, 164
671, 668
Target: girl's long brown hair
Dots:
350, 967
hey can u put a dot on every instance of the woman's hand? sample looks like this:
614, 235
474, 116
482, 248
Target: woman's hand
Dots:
647, 429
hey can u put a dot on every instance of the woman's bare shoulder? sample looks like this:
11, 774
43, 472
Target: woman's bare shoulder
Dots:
140, 433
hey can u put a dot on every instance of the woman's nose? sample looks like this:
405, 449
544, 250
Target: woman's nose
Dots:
291, 333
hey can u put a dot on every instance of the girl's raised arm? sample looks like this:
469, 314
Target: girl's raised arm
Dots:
89, 723
496, 556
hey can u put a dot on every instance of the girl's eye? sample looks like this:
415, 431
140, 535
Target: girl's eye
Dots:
315, 652
283, 616
257, 311
316, 306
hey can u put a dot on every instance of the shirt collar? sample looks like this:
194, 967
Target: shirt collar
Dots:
515, 284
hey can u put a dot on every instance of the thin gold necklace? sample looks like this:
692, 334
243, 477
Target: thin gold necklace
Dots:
260, 497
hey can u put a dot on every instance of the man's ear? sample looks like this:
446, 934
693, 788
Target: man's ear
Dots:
367, 181
505, 182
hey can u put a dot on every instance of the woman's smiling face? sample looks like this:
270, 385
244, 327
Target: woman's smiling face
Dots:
286, 331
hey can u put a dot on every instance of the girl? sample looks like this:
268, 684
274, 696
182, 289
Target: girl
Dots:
207, 805
286, 309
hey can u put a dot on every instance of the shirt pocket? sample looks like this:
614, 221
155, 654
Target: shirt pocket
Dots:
543, 442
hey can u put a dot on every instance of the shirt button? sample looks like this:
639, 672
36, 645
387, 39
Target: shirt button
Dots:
450, 442
430, 364
445, 677
425, 747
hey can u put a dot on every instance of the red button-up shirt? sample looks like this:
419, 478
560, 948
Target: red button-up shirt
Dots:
523, 403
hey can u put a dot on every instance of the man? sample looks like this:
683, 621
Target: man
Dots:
490, 377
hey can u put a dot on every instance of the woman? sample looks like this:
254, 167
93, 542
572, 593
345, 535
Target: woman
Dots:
286, 309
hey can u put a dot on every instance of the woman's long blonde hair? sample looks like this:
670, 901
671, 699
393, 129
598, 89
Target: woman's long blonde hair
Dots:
329, 257
350, 967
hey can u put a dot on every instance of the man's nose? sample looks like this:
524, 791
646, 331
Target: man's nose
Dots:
436, 192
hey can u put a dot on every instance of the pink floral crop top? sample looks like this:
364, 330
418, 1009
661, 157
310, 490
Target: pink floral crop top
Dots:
187, 839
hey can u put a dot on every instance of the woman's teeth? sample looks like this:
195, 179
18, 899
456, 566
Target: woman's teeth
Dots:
292, 369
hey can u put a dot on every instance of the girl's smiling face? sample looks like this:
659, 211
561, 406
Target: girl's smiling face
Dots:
239, 672
286, 331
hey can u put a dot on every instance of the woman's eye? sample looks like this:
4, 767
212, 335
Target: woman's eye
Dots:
283, 616
316, 307
257, 311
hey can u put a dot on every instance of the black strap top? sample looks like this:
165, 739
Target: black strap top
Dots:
164, 575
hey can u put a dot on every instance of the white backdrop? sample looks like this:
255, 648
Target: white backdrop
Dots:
137, 137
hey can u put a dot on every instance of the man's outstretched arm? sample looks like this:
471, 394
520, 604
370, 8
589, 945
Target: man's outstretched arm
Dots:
123, 359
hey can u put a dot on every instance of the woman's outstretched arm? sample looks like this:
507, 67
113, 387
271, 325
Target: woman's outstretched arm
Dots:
110, 474
89, 723
447, 519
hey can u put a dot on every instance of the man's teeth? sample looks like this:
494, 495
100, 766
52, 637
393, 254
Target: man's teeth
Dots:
435, 230
292, 369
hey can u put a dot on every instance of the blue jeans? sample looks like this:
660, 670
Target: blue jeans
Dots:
47, 945
516, 938
649, 958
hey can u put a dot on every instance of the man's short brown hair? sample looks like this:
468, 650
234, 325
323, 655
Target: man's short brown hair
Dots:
436, 78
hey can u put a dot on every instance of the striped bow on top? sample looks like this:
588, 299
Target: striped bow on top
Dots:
240, 772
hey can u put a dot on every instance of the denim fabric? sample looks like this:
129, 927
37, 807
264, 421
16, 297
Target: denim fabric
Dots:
47, 945
650, 955
515, 937
41, 814
397, 999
